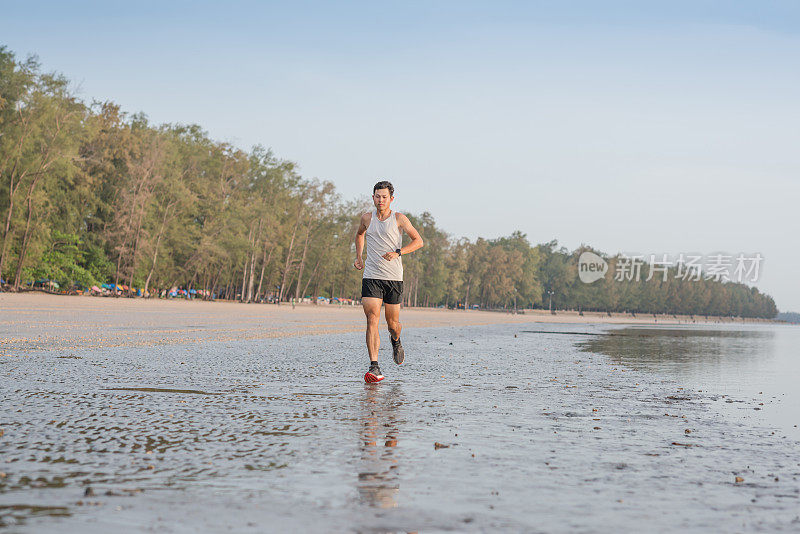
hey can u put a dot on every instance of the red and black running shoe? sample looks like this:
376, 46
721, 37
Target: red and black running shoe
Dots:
374, 374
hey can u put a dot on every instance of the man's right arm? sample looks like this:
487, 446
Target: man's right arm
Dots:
360, 235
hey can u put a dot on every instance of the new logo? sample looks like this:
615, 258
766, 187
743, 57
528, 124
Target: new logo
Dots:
591, 267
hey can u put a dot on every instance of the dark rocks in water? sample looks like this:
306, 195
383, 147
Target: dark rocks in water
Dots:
89, 492
438, 446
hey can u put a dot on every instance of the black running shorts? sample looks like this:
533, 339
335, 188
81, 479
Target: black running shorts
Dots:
391, 291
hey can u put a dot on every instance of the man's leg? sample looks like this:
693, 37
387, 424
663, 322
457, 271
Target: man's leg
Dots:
372, 309
392, 312
393, 321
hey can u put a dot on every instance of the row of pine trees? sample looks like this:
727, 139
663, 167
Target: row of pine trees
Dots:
91, 195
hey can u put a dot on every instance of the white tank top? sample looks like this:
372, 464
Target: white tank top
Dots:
382, 237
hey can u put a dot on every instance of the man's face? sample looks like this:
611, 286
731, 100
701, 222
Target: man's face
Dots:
382, 198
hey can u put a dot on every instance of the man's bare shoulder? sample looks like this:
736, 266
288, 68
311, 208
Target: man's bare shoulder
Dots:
366, 217
402, 220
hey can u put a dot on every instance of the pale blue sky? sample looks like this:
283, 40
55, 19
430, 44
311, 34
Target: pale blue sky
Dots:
630, 126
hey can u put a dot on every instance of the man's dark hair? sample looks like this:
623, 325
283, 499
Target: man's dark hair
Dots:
383, 184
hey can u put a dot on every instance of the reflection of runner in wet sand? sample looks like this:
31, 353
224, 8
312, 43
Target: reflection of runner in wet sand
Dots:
383, 271
378, 477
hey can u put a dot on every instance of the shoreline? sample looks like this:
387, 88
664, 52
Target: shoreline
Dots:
45, 322
25, 298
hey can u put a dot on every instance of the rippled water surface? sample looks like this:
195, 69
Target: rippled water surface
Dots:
535, 432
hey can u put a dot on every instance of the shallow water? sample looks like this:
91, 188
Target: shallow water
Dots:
282, 434
755, 362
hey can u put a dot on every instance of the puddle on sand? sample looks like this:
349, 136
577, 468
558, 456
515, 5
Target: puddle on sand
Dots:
744, 361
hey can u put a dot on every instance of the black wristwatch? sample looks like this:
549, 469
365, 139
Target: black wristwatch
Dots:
398, 252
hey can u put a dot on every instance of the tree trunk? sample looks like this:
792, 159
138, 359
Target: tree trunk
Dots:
315, 293
244, 272
288, 262
12, 189
251, 282
264, 263
302, 261
25, 238
313, 274
155, 253
136, 240
292, 282
7, 230
116, 273
244, 280
214, 281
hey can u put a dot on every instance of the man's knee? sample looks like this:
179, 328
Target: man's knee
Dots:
373, 318
393, 324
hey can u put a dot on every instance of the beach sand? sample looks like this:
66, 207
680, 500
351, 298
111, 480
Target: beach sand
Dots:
41, 321
123, 415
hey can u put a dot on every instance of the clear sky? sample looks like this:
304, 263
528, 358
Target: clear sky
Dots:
650, 127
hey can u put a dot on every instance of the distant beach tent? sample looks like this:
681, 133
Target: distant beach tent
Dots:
96, 289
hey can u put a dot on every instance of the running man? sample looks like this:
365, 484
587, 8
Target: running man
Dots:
383, 273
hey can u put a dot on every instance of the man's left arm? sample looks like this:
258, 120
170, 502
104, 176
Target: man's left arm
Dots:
416, 240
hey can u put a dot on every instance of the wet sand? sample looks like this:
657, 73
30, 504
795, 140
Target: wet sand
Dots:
178, 419
40, 321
